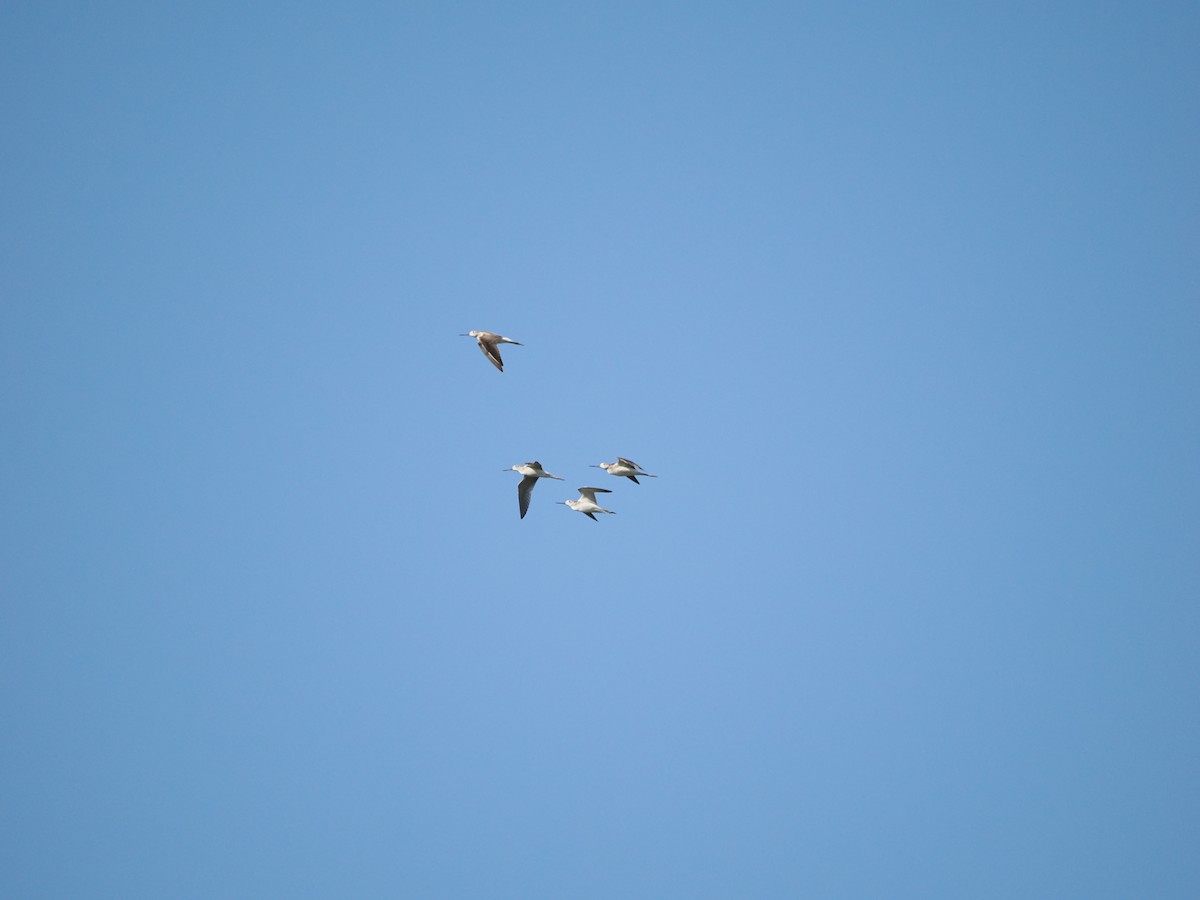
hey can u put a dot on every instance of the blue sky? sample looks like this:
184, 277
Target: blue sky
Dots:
901, 303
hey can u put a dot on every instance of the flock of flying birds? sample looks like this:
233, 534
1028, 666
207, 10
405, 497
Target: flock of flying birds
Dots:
489, 343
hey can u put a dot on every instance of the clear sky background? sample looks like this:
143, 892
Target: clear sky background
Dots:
902, 303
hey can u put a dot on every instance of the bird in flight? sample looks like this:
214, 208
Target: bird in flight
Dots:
624, 467
587, 504
532, 472
489, 343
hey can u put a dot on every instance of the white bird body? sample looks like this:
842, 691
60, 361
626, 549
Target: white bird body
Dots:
532, 472
587, 504
626, 468
489, 343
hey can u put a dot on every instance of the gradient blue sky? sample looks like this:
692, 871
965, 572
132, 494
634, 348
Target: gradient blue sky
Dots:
901, 301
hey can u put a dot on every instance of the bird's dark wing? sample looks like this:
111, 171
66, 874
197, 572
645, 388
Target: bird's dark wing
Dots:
524, 491
492, 352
